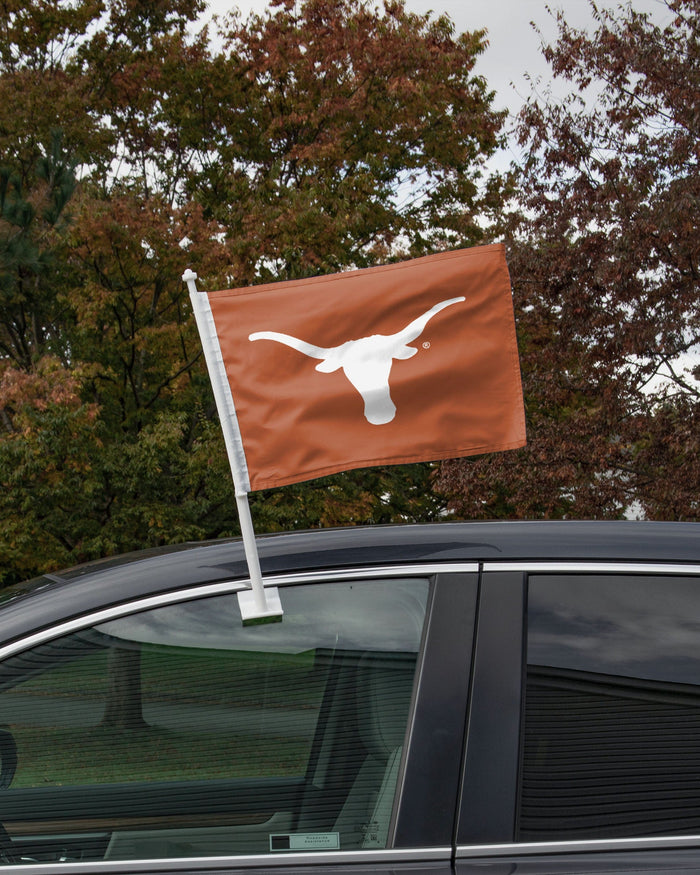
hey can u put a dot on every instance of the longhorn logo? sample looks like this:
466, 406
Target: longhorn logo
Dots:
366, 362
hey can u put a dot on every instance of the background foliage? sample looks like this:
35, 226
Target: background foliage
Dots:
134, 144
605, 260
323, 135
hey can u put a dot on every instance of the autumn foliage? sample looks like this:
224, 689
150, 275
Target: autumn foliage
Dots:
134, 143
323, 135
605, 257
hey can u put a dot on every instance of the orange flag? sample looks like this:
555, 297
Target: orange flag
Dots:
408, 362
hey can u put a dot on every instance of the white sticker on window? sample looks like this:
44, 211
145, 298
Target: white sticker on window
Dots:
305, 841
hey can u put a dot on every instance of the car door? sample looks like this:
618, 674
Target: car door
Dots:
584, 743
163, 729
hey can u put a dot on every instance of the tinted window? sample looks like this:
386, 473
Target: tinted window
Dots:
611, 744
179, 732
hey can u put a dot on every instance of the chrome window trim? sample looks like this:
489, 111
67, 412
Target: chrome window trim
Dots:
637, 843
213, 864
404, 569
145, 603
583, 566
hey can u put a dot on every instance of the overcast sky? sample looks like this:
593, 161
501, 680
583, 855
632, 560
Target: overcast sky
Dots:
514, 45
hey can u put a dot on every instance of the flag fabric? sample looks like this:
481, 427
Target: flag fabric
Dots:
407, 362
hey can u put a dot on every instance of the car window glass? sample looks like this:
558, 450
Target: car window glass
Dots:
611, 733
179, 732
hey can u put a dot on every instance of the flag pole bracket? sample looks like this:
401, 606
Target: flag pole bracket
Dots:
257, 604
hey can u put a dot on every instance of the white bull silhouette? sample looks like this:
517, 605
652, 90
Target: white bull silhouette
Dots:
366, 362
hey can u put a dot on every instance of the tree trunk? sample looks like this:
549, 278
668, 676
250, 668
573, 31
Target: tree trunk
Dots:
123, 709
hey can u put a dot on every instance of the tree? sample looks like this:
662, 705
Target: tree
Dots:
321, 135
351, 131
605, 258
124, 702
32, 219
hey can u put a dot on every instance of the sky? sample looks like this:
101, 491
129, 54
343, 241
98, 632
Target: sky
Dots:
514, 46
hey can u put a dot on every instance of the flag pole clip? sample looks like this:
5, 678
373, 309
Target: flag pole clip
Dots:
257, 604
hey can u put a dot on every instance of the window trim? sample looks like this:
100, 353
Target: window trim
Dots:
145, 603
638, 843
584, 566
386, 856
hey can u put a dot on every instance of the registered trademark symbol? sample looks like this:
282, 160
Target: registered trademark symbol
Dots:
426, 345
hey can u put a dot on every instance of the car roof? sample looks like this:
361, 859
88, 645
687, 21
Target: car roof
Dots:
620, 540
118, 579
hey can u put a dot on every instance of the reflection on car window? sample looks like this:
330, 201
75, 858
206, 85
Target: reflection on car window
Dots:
611, 743
179, 732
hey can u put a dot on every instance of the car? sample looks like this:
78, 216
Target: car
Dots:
497, 697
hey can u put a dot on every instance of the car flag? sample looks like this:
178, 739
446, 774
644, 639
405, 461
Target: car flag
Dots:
401, 363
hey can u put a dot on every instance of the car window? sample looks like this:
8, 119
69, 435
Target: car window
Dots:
179, 732
611, 741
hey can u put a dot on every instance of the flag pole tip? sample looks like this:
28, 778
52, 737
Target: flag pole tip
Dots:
189, 275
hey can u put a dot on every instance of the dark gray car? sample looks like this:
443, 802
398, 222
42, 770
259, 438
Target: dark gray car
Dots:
468, 698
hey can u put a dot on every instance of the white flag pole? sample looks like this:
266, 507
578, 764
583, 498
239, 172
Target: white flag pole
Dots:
257, 605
